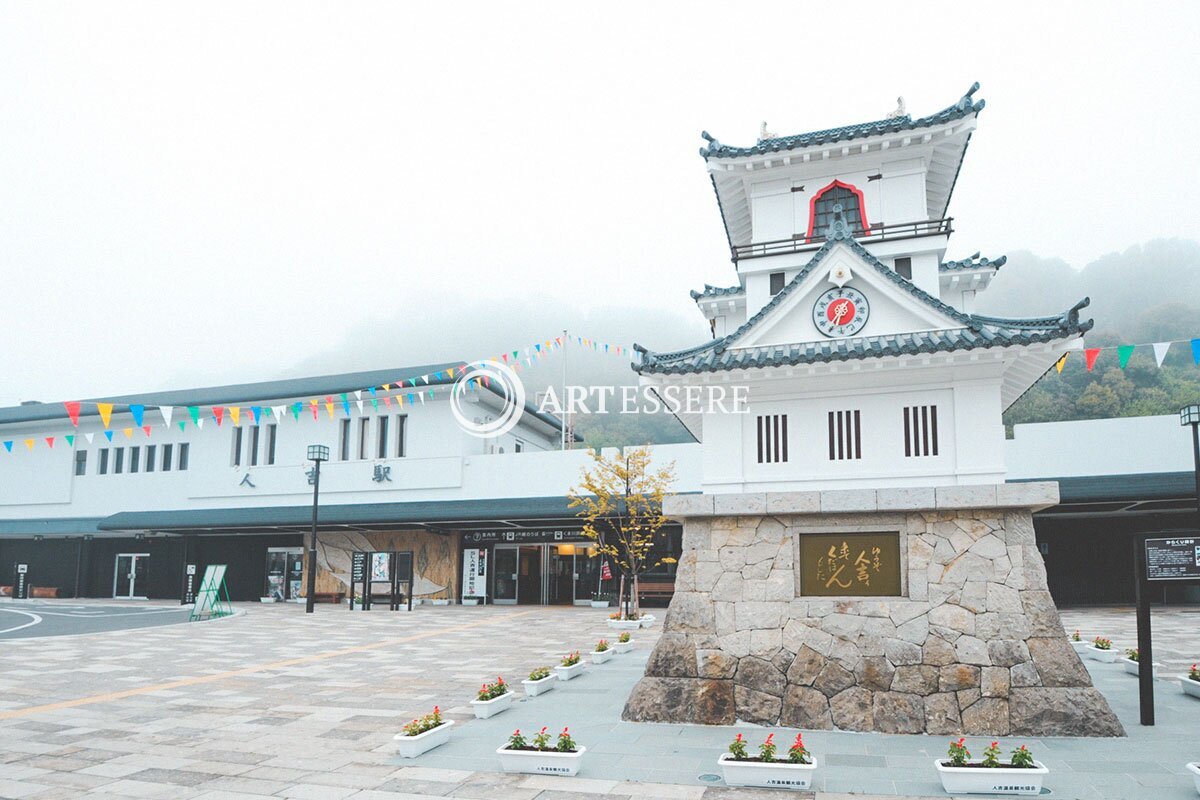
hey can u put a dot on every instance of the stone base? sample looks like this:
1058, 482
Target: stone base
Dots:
974, 647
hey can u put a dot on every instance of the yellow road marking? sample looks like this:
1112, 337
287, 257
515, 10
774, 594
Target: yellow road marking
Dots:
290, 662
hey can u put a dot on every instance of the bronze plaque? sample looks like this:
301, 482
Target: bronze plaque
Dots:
849, 564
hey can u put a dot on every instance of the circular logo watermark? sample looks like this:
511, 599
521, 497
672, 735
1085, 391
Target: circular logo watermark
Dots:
507, 386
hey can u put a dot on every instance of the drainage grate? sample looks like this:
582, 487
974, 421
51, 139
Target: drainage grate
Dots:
708, 777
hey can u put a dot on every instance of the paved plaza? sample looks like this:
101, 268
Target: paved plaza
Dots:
275, 704
21, 619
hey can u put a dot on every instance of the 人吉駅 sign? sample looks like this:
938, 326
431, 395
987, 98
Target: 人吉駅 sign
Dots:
849, 564
1173, 559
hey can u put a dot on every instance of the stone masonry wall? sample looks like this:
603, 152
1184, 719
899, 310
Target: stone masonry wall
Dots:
976, 647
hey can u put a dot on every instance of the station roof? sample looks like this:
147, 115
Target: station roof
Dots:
965, 106
282, 389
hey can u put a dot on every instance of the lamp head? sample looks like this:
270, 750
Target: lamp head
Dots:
318, 452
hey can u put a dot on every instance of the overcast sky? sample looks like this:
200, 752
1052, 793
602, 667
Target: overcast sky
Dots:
218, 192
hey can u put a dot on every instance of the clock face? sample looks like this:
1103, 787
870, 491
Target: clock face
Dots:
841, 312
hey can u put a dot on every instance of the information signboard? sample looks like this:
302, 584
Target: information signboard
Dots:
1173, 559
474, 581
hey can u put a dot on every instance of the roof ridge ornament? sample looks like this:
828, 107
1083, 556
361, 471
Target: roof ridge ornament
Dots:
838, 227
901, 110
965, 102
763, 133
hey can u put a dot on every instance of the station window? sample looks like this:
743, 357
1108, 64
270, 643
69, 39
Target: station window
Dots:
381, 437
103, 469
166, 457
920, 431
836, 193
183, 456
81, 462
235, 456
777, 281
252, 455
269, 455
135, 458
772, 438
151, 452
344, 440
845, 435
364, 437
118, 460
903, 267
401, 435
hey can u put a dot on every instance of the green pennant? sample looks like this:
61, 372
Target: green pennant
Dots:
1123, 354
194, 413
70, 439
183, 426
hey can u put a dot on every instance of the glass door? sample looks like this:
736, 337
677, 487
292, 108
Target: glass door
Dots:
504, 564
129, 576
285, 566
561, 574
587, 574
529, 574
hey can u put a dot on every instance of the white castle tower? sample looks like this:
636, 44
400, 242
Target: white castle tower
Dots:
856, 559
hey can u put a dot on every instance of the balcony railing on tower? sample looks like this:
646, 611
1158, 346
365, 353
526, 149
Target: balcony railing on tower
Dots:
876, 233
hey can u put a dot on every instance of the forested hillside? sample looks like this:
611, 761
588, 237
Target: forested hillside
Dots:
1149, 293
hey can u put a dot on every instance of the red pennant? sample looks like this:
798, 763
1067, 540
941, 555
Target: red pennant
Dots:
73, 411
50, 442
218, 414
146, 429
1090, 355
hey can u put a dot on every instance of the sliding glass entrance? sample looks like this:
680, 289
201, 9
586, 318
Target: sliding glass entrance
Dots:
552, 574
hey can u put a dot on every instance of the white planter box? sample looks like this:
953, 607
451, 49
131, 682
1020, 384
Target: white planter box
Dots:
490, 708
599, 604
413, 746
470, 601
566, 673
266, 599
1194, 768
600, 656
774, 775
1103, 656
624, 624
534, 688
1079, 646
646, 620
540, 762
1189, 686
442, 602
992, 780
625, 647
1131, 667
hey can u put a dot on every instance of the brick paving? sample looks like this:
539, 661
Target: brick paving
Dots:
274, 704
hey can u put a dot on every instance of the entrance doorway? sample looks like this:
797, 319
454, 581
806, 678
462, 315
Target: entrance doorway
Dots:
285, 568
129, 576
561, 574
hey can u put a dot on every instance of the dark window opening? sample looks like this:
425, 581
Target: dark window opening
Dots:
823, 205
776, 283
903, 267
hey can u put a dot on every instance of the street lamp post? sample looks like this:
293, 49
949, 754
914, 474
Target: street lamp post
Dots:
316, 454
1190, 415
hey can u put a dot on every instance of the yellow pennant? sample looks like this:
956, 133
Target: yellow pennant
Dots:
29, 444
1061, 363
128, 433
235, 414
387, 387
329, 407
105, 410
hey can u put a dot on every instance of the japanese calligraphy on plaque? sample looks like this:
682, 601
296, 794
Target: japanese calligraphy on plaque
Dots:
849, 564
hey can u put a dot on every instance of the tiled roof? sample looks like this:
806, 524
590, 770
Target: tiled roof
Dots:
973, 262
964, 107
711, 291
975, 332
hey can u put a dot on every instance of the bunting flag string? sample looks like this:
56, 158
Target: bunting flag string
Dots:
427, 388
1124, 352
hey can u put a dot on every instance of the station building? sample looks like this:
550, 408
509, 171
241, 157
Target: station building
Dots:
857, 334
121, 509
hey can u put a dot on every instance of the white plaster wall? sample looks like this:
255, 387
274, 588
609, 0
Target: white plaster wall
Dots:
1126, 445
